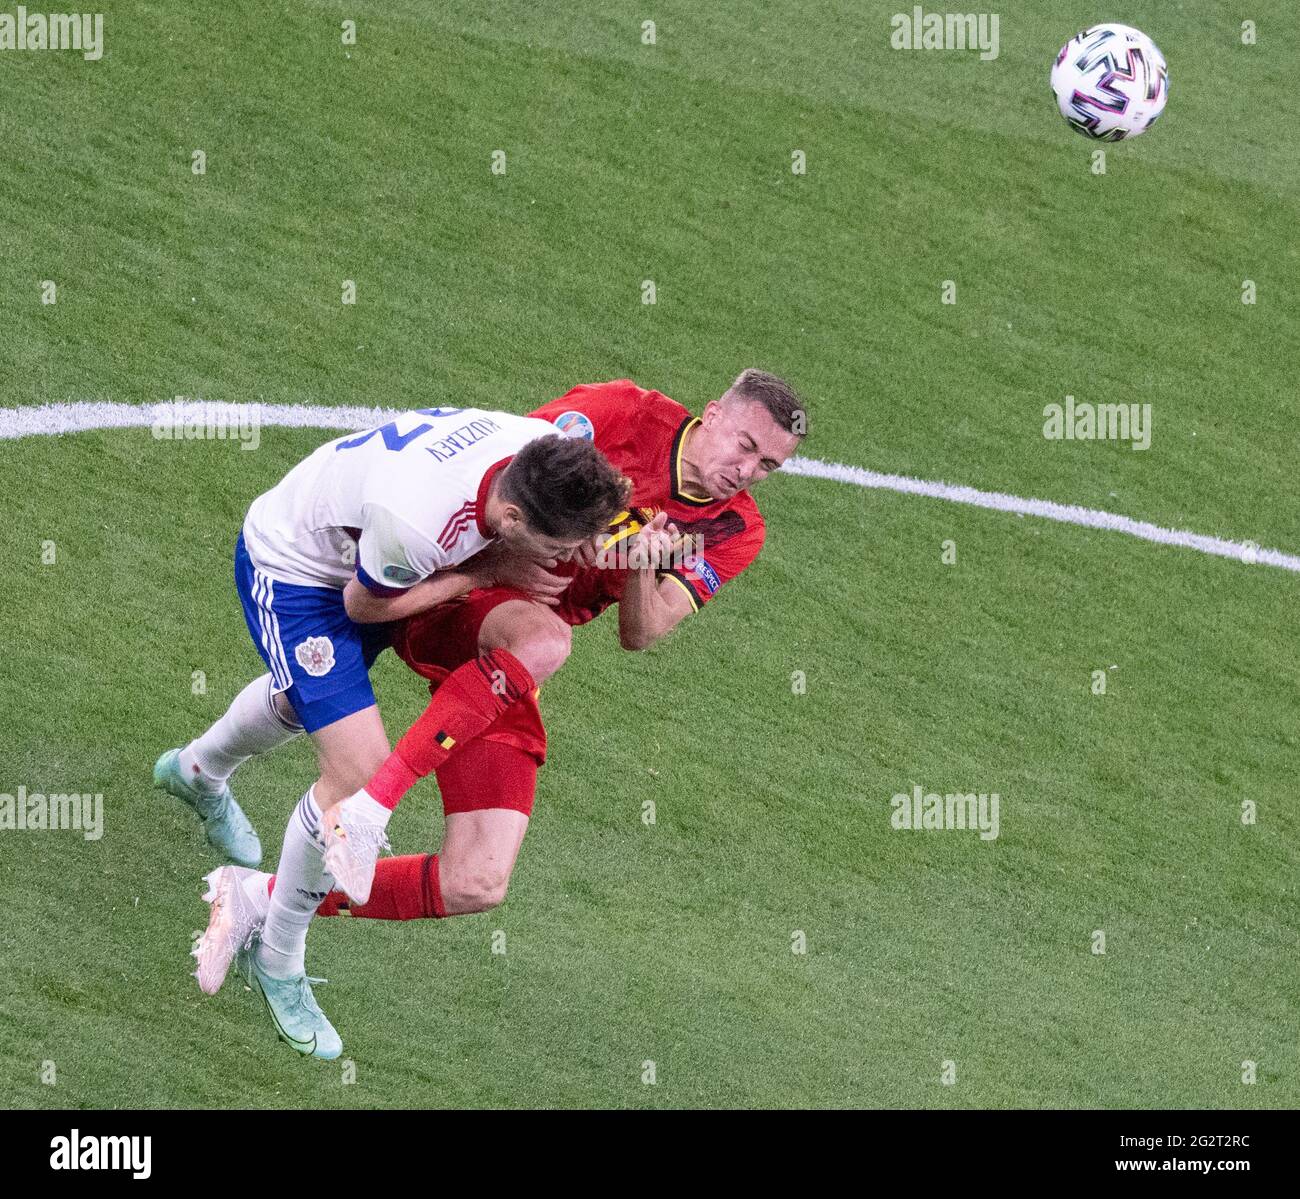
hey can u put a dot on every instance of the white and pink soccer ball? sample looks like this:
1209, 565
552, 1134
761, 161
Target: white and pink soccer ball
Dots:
1111, 82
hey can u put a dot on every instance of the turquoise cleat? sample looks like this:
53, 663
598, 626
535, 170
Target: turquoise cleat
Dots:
223, 819
294, 1011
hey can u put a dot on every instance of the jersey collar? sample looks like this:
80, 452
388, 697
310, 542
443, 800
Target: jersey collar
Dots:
675, 467
480, 500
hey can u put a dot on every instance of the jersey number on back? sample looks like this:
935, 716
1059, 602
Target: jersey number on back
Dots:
394, 440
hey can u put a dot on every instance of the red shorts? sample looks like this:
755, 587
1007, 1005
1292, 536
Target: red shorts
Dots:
498, 769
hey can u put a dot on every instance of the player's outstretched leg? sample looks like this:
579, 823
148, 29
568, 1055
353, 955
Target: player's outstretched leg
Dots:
239, 899
198, 774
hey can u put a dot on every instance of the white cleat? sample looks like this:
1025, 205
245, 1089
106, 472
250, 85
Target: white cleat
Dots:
354, 834
233, 922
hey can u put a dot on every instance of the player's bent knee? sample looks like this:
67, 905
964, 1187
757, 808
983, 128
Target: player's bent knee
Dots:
532, 633
545, 654
543, 647
475, 891
486, 893
488, 898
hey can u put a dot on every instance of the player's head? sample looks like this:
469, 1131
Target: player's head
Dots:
743, 436
556, 493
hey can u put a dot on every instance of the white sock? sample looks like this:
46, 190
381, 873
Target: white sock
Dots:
250, 726
301, 884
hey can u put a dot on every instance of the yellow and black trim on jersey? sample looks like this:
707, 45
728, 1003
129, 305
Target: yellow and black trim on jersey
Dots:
680, 495
628, 523
684, 585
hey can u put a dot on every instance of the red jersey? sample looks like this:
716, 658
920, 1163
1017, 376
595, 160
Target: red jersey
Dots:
641, 433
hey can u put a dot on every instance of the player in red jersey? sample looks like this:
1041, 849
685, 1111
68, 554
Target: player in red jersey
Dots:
482, 732
693, 473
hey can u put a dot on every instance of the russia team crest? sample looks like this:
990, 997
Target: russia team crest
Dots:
316, 656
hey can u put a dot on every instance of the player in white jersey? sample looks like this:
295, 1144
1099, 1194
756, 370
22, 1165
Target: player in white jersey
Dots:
369, 529
409, 488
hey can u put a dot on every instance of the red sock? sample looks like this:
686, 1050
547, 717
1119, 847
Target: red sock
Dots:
405, 888
469, 699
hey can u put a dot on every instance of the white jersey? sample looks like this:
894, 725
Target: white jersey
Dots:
392, 504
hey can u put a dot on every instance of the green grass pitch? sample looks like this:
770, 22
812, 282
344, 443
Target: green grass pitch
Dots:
627, 943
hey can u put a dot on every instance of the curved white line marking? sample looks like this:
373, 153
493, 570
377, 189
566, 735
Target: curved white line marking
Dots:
54, 419
1072, 514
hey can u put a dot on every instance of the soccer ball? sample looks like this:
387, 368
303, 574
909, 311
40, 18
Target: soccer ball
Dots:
1111, 82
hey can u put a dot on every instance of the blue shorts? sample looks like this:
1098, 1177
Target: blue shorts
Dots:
316, 653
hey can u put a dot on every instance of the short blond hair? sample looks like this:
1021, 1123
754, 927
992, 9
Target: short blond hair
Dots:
775, 394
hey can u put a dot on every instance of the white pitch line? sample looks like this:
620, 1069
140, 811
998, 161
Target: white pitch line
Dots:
1071, 514
54, 419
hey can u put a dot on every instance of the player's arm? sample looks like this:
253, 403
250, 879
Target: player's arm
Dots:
651, 605
400, 572
680, 580
368, 606
650, 609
